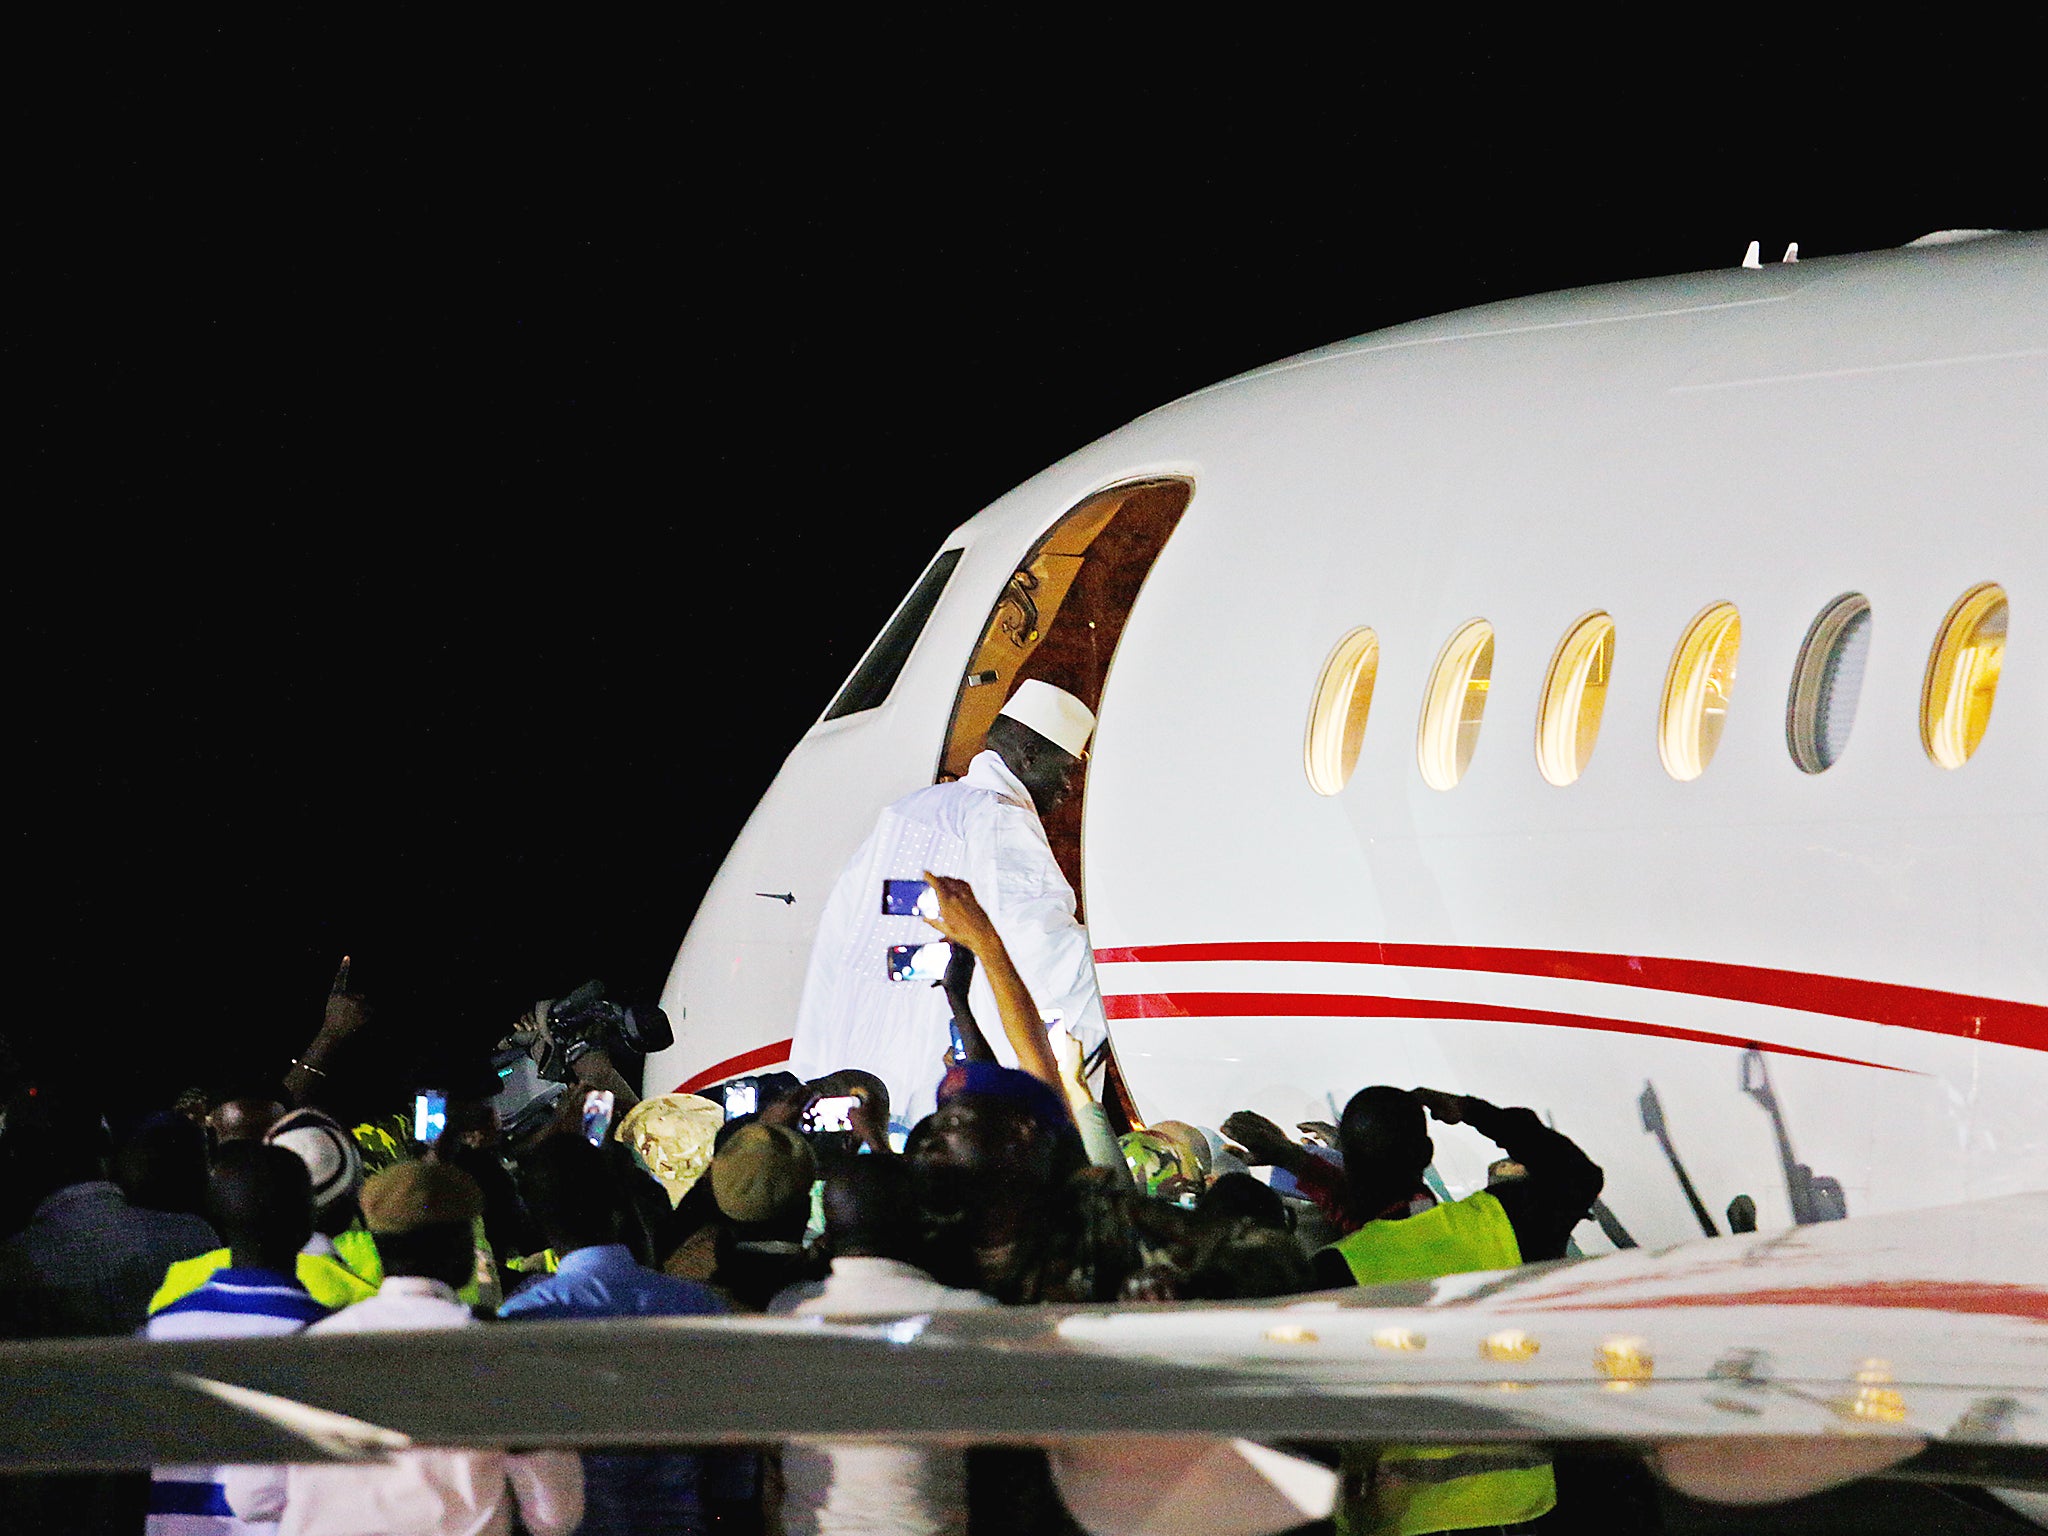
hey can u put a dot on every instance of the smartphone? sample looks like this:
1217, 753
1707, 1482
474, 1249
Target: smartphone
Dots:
741, 1099
908, 898
429, 1116
831, 1114
919, 962
597, 1115
959, 1045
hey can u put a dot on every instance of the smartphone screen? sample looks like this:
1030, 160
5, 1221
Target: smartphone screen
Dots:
741, 1099
919, 962
831, 1114
597, 1115
429, 1116
908, 898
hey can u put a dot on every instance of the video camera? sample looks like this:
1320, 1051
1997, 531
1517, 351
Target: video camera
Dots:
557, 1034
542, 1051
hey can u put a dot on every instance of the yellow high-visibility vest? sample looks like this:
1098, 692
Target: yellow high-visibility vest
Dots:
331, 1284
1408, 1490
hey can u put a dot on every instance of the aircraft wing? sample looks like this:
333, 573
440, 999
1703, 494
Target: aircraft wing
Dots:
1824, 1352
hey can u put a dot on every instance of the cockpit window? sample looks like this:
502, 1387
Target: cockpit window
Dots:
883, 664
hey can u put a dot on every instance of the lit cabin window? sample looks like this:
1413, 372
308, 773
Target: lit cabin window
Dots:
1574, 694
1336, 722
1456, 701
1827, 682
1962, 676
1696, 691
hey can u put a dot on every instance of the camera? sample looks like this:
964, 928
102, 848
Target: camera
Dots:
557, 1034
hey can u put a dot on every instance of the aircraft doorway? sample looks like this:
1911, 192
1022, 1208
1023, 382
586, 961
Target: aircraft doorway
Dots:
1058, 620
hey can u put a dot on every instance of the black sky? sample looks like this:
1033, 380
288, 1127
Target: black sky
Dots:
428, 449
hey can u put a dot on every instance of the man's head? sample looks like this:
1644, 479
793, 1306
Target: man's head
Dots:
1042, 735
871, 1210
55, 1135
244, 1117
420, 1213
162, 1164
260, 1198
997, 1134
569, 1192
1240, 1197
332, 1159
1384, 1136
761, 1178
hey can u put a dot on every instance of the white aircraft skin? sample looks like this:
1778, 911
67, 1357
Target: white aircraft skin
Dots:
1773, 438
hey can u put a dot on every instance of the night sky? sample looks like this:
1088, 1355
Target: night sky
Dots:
427, 450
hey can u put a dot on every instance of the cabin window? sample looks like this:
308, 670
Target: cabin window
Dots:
1454, 706
1696, 691
1574, 694
1827, 682
1962, 676
883, 664
1336, 722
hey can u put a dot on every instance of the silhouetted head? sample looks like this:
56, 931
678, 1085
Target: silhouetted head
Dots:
1240, 1197
55, 1135
260, 1199
162, 1165
1384, 1136
871, 1210
1045, 770
244, 1118
569, 1192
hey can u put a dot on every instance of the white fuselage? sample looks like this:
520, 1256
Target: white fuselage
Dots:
1771, 438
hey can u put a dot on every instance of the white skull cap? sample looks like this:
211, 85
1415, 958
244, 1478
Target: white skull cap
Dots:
328, 1151
1054, 713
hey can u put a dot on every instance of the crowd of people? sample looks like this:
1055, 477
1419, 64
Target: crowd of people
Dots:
905, 1176
265, 1214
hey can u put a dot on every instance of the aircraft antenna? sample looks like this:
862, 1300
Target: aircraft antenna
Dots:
1753, 258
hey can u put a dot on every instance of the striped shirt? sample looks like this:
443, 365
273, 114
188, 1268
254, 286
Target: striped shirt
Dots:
233, 1304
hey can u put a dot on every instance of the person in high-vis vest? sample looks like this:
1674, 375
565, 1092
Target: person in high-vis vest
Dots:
1405, 1234
339, 1264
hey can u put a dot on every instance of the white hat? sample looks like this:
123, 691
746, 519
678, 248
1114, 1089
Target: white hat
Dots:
328, 1151
1054, 713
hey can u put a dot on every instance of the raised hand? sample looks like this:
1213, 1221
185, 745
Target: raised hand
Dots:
1446, 1107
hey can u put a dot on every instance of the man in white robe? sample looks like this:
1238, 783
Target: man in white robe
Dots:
985, 829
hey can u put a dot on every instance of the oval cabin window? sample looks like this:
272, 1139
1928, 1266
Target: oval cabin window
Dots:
1962, 676
1574, 694
1336, 722
1454, 706
1696, 691
1827, 682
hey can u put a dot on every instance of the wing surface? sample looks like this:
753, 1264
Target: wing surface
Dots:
1876, 1337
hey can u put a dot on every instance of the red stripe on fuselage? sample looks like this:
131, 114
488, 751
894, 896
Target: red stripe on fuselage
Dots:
1338, 1005
1876, 1002
735, 1066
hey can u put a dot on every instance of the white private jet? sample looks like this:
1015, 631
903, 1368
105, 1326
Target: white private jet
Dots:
1591, 702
